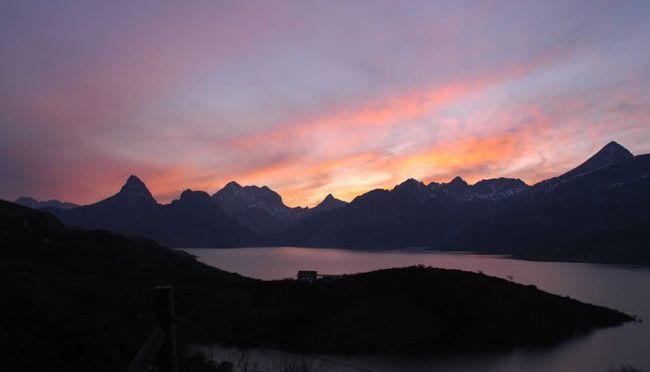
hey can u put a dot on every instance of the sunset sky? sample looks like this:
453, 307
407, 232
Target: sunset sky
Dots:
312, 97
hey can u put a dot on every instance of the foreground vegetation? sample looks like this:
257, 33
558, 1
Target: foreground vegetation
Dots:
76, 300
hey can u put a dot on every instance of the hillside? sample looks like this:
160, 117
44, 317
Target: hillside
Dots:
73, 298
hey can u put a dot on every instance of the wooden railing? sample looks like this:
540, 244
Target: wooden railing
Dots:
160, 348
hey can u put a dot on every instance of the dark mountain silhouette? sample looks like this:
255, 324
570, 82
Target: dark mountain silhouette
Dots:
135, 194
611, 154
598, 216
37, 204
595, 212
499, 188
72, 298
457, 188
194, 220
412, 214
460, 191
129, 211
328, 204
259, 208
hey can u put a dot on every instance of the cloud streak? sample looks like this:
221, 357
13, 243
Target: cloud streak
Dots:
313, 98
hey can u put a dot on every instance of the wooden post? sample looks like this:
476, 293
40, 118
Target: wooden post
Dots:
148, 353
164, 301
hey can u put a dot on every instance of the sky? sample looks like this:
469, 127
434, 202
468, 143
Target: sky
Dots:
312, 97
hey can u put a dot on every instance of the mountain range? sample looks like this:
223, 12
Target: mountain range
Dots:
193, 220
597, 212
35, 204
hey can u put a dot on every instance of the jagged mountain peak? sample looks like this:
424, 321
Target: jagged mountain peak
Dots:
249, 194
329, 203
133, 183
133, 179
456, 186
410, 184
191, 195
501, 182
135, 189
498, 188
232, 185
617, 146
247, 201
610, 154
458, 181
411, 181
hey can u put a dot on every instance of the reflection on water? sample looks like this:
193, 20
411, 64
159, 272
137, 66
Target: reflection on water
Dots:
621, 287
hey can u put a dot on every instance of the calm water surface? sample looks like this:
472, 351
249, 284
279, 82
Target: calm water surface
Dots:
625, 288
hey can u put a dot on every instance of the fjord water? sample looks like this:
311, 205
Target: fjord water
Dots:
626, 288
